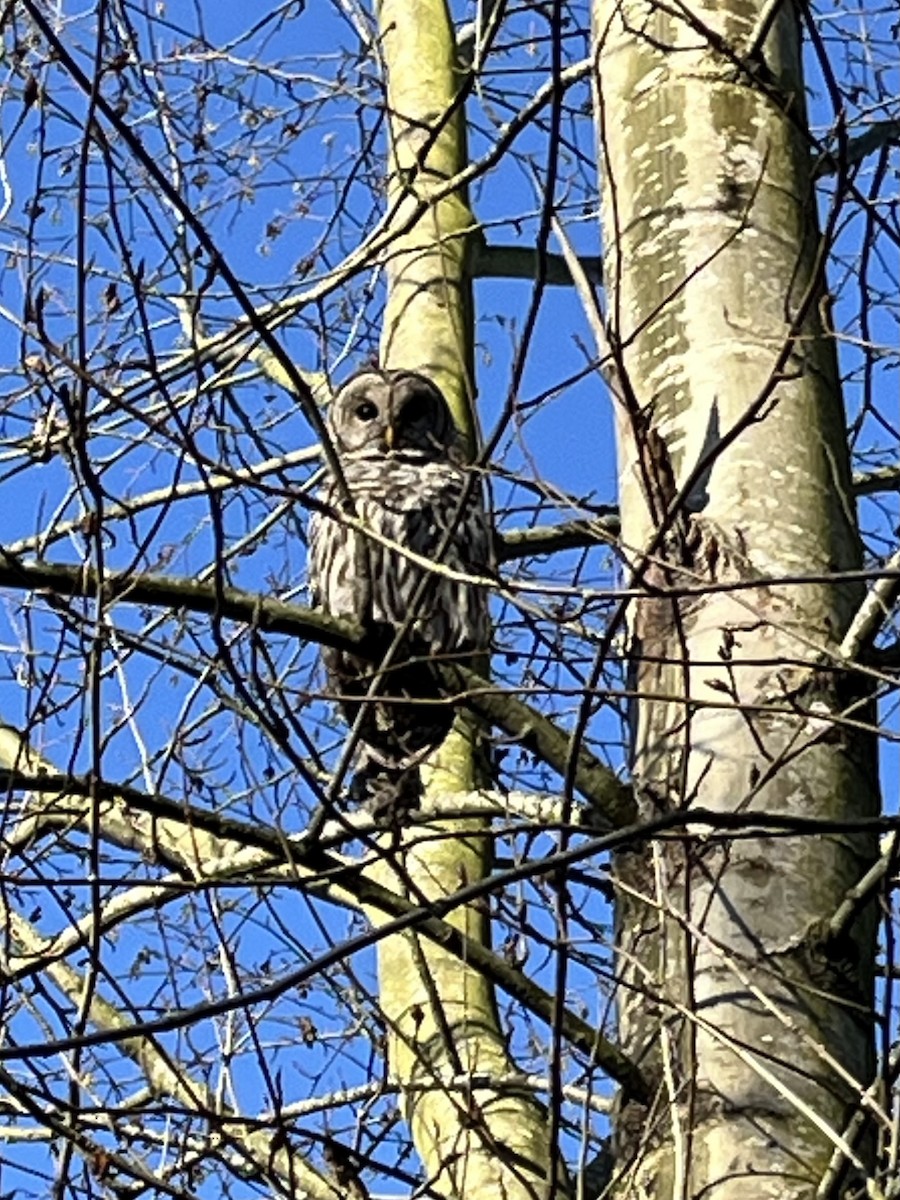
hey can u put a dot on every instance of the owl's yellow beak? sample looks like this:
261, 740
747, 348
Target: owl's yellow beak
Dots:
389, 436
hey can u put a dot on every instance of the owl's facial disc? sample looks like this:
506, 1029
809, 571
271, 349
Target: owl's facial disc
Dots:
386, 412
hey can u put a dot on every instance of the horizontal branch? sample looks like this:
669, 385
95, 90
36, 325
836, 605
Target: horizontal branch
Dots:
550, 539
870, 483
227, 603
882, 133
592, 778
525, 262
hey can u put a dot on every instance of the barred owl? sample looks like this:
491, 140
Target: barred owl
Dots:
405, 483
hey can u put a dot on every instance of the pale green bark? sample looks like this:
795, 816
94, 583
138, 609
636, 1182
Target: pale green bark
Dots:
428, 321
441, 1012
711, 243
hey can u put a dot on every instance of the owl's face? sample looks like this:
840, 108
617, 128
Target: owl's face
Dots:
381, 412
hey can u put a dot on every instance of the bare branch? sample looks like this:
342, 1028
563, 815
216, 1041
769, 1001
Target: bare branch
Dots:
876, 137
521, 262
552, 539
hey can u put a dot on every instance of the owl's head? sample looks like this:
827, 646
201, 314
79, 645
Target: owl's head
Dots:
381, 412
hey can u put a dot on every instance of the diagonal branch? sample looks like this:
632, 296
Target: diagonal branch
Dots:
307, 861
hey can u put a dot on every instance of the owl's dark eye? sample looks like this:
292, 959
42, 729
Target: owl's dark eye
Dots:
418, 409
367, 411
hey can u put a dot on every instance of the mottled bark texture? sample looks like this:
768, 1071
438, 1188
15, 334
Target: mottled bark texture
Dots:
441, 1013
754, 1029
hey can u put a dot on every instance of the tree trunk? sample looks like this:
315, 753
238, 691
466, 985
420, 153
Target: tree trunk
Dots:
751, 1016
442, 1013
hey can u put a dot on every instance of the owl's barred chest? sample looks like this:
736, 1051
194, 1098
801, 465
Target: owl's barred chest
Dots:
405, 506
411, 505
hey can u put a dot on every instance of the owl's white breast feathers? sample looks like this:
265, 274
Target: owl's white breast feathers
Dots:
415, 505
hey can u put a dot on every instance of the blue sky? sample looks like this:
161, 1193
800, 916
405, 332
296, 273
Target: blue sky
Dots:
265, 155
